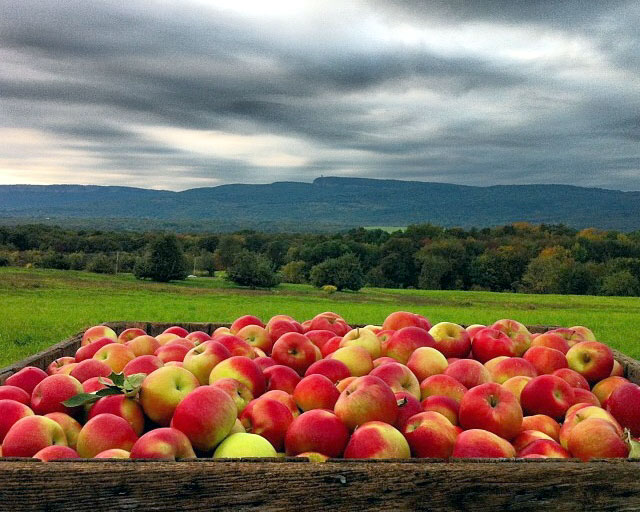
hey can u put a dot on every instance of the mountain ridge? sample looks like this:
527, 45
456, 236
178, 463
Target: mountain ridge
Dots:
326, 203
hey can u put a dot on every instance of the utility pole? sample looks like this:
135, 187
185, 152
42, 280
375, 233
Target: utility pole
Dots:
117, 261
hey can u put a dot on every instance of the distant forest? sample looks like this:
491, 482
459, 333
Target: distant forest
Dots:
518, 257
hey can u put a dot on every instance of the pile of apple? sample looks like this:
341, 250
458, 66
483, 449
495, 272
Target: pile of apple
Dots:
320, 389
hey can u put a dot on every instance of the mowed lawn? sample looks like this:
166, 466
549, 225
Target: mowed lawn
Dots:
41, 307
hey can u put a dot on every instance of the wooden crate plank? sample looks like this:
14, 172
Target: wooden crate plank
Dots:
88, 485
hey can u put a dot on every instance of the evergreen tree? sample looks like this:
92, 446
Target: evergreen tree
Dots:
164, 261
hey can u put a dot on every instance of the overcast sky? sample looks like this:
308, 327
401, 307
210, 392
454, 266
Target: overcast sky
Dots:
196, 93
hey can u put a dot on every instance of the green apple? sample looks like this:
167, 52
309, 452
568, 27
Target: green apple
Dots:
241, 445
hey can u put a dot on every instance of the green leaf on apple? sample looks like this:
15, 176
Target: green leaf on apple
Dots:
634, 446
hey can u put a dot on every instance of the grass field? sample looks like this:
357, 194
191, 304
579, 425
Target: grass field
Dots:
41, 307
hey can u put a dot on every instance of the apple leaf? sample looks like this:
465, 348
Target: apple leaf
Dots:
87, 398
634, 446
117, 379
128, 386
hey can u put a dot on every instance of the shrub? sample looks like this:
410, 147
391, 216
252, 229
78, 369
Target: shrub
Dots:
252, 269
293, 272
345, 273
101, 264
164, 261
55, 260
622, 284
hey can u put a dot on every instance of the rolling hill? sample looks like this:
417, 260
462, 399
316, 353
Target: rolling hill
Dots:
325, 204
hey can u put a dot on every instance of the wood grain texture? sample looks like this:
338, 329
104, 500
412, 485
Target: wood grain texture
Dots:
607, 485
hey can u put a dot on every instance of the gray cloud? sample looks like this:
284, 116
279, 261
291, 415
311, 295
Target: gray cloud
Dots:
480, 93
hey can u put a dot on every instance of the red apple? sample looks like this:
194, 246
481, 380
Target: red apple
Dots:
49, 394
143, 345
452, 340
329, 322
142, 364
114, 453
88, 351
398, 377
468, 372
542, 423
96, 332
357, 359
516, 384
15, 393
268, 418
200, 360
493, 408
206, 416
377, 440
56, 453
181, 332
547, 394
489, 343
163, 443
243, 321
320, 336
546, 360
582, 414
284, 398
10, 412
172, 352
596, 438
126, 408
427, 361
574, 379
129, 334
294, 350
518, 333
257, 337
57, 365
95, 384
624, 405
551, 340
27, 378
281, 377
404, 341
70, 426
332, 369
315, 392
591, 359
90, 368
242, 369
115, 356
238, 392
477, 443
430, 435
443, 385
502, 369
236, 345
400, 319
547, 447
331, 346
366, 399
163, 390
319, 431
197, 337
444, 405
408, 405
30, 434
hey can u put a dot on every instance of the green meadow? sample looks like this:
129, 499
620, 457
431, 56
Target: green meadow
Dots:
41, 307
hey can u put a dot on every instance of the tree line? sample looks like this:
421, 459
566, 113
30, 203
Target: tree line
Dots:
520, 257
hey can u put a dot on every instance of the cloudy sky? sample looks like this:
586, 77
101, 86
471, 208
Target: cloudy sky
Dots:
197, 93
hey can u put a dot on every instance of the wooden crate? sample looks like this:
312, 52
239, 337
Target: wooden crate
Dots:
296, 484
